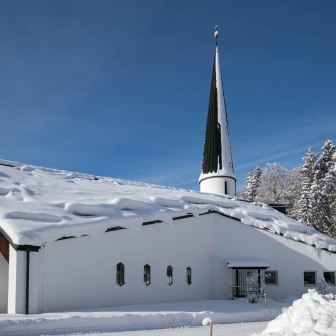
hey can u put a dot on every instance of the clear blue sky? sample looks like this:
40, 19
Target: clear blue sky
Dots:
120, 88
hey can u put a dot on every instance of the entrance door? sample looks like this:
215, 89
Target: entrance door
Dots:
247, 281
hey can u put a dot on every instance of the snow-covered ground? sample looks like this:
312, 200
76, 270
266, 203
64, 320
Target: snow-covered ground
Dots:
231, 329
142, 317
312, 315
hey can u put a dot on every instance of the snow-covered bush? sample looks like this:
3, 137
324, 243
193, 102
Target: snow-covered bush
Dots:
253, 289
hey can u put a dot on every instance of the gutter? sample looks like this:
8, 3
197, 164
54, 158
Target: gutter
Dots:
27, 282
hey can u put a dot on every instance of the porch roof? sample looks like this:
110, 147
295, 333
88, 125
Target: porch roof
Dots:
248, 263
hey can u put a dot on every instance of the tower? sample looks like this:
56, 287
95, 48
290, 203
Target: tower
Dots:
217, 176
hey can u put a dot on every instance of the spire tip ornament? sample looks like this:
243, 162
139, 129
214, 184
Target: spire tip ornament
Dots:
216, 34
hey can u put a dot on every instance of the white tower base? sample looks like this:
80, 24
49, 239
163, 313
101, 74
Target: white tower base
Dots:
219, 185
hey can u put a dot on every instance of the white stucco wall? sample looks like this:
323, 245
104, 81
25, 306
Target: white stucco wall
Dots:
16, 281
3, 284
288, 257
81, 272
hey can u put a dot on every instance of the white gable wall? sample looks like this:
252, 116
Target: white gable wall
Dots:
80, 273
234, 240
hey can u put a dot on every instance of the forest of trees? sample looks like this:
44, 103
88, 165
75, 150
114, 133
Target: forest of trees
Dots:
309, 191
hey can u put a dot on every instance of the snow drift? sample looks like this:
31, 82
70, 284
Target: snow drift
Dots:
312, 315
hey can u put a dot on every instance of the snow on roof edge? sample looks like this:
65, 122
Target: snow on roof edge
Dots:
54, 203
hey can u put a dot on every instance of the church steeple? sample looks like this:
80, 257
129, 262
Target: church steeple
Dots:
217, 174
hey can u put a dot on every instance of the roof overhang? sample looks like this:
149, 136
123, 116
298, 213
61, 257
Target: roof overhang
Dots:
248, 264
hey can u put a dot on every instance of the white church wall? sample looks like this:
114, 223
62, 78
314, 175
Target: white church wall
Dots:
81, 273
3, 284
35, 280
16, 281
234, 240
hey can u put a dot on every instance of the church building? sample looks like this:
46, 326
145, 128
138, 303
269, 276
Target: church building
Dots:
71, 241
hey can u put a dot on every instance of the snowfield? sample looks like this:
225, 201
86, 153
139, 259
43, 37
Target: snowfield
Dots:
141, 317
312, 315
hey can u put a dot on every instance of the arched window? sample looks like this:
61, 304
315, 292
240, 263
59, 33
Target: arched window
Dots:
120, 274
170, 275
147, 275
188, 278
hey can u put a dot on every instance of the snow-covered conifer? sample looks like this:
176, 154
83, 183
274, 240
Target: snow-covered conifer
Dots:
292, 192
330, 192
252, 185
303, 205
321, 216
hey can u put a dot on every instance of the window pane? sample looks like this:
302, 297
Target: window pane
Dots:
170, 275
309, 278
120, 274
147, 279
188, 276
329, 277
271, 277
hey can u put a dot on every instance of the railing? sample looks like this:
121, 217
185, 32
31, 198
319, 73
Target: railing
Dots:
243, 291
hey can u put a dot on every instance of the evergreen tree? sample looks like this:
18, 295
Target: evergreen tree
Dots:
293, 191
309, 192
330, 192
303, 206
321, 217
252, 185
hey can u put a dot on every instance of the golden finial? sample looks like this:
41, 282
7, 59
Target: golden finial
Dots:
216, 34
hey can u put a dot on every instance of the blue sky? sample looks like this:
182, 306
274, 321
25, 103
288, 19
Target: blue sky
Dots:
120, 88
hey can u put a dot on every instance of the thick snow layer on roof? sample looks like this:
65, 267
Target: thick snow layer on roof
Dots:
40, 205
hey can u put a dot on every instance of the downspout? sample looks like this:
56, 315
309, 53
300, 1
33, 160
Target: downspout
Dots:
27, 282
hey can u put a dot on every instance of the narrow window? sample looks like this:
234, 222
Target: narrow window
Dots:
329, 277
170, 275
120, 274
188, 275
147, 275
309, 278
271, 277
225, 188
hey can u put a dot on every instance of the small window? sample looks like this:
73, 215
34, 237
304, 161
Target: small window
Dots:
169, 275
120, 274
329, 277
309, 278
271, 277
188, 275
147, 275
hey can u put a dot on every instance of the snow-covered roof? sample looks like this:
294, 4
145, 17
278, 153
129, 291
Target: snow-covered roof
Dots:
40, 205
247, 263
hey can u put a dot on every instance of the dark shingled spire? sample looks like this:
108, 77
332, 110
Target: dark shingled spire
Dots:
212, 155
